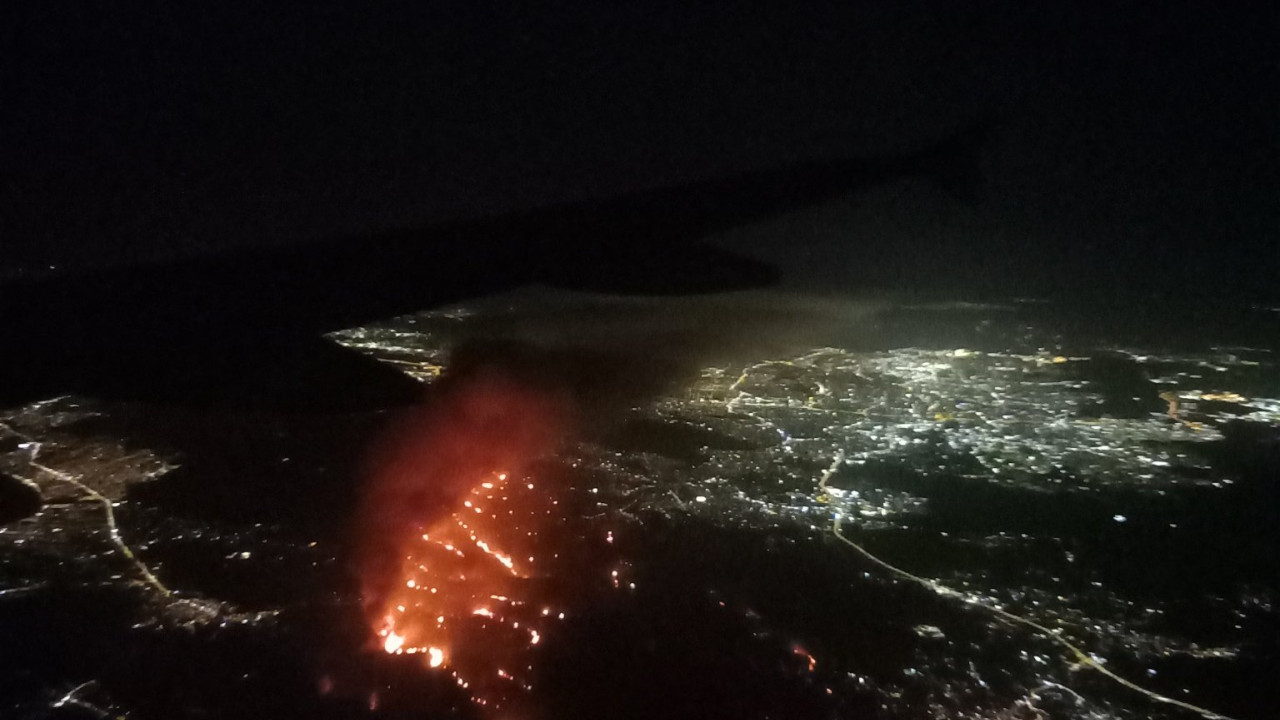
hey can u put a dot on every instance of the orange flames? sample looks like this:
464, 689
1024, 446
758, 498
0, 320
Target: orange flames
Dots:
449, 532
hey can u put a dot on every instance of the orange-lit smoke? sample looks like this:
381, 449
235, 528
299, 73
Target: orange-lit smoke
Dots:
485, 423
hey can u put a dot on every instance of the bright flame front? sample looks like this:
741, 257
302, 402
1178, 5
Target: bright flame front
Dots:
462, 601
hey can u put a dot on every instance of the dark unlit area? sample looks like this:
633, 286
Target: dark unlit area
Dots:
1132, 144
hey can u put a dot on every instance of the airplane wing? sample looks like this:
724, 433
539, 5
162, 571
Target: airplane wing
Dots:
244, 328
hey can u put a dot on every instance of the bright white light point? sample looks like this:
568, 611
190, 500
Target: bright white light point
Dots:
440, 619
502, 476
561, 616
410, 584
614, 573
393, 643
400, 608
534, 637
530, 486
466, 503
1119, 518
487, 486
485, 612
435, 657
608, 537
546, 612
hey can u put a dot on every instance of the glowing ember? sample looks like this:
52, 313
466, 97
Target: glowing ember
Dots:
810, 660
393, 642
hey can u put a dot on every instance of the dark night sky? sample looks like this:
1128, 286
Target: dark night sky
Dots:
1138, 141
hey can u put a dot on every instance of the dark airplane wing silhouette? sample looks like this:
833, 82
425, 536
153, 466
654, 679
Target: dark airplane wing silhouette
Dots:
245, 328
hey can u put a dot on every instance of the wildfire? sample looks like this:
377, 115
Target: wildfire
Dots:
450, 534
457, 603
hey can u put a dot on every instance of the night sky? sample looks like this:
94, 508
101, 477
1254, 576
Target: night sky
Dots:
1138, 144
